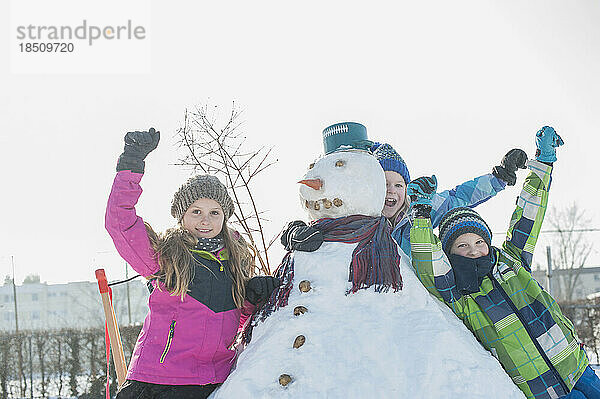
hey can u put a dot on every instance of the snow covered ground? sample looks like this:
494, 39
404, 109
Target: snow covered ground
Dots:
368, 344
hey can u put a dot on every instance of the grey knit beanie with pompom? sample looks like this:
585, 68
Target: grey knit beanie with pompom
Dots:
201, 186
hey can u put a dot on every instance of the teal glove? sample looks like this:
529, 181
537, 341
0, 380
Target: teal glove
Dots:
546, 140
421, 192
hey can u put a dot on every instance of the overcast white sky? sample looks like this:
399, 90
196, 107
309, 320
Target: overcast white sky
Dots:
451, 85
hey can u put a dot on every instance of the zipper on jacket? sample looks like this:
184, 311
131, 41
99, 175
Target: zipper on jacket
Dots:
168, 345
496, 285
212, 256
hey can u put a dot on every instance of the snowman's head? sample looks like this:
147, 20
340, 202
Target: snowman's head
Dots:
343, 183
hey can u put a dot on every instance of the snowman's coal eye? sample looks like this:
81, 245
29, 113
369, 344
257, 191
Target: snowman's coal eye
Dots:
340, 163
311, 165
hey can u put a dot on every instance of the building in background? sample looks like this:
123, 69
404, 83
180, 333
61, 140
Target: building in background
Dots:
77, 304
587, 283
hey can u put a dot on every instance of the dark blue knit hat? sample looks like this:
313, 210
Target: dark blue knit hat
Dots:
390, 160
461, 220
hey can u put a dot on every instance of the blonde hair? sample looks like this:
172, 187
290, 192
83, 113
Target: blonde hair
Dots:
176, 261
399, 215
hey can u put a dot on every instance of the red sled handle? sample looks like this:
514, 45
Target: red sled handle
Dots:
102, 281
112, 328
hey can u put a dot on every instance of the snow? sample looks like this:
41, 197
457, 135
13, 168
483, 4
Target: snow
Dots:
383, 345
357, 180
367, 344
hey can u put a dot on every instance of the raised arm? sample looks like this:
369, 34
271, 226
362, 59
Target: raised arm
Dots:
474, 192
527, 219
124, 226
429, 260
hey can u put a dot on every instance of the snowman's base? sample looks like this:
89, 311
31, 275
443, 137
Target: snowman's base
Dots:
363, 345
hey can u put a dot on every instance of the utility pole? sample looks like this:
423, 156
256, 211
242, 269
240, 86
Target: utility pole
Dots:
128, 298
549, 271
30, 370
20, 341
12, 259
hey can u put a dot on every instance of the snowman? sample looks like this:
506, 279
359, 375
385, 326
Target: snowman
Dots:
350, 319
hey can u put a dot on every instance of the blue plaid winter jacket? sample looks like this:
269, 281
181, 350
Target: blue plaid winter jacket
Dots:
470, 193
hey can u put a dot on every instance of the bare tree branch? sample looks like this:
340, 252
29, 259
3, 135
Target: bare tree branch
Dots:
221, 150
570, 247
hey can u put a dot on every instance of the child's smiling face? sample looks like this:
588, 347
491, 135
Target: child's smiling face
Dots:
204, 218
470, 245
395, 193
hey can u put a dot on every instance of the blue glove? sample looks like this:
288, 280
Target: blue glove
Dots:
420, 192
546, 140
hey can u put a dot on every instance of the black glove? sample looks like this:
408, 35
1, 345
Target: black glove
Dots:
137, 146
297, 236
513, 160
260, 288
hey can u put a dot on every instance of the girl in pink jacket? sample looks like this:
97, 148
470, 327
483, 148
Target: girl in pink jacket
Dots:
199, 273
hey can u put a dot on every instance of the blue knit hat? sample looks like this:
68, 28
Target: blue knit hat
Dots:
461, 220
390, 160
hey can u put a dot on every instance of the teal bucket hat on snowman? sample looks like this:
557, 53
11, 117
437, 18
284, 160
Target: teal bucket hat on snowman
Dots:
345, 135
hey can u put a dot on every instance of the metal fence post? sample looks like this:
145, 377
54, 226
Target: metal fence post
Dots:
549, 271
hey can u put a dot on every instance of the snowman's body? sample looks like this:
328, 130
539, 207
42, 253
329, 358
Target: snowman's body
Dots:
366, 344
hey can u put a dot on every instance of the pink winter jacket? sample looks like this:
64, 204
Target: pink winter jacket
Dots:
181, 342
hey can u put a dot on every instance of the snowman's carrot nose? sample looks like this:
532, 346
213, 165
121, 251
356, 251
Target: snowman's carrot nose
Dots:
312, 183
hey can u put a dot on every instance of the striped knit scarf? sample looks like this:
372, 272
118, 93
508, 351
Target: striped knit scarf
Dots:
375, 260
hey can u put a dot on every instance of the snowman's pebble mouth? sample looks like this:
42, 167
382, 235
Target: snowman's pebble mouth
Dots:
324, 202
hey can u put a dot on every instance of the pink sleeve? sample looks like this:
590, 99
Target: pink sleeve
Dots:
247, 310
126, 228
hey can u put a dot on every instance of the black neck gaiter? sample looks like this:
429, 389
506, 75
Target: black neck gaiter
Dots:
469, 272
